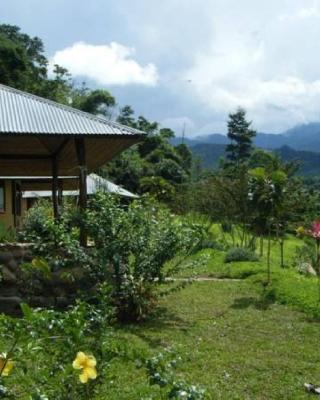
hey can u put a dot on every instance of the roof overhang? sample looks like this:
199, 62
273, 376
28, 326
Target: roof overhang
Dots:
35, 131
31, 155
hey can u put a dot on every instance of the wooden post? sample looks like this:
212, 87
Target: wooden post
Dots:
60, 193
14, 202
55, 188
81, 155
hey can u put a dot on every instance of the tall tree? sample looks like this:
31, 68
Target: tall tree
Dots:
126, 116
93, 101
24, 66
241, 136
154, 165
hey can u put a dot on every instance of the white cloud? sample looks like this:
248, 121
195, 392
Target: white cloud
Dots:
106, 64
263, 55
305, 12
265, 59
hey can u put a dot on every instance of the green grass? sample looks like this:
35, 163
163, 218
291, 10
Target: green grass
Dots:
237, 339
232, 342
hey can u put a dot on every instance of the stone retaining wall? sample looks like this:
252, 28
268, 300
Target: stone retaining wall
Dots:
17, 287
12, 255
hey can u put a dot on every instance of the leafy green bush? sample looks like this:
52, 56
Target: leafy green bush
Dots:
42, 346
6, 235
35, 220
44, 350
305, 255
57, 243
208, 238
133, 245
240, 254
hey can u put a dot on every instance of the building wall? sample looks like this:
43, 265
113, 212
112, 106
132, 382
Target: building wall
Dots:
6, 218
24, 206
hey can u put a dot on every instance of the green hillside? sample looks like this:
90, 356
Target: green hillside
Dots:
211, 153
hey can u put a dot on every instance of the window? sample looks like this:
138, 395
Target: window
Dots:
2, 197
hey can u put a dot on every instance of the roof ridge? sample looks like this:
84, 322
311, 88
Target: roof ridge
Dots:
70, 109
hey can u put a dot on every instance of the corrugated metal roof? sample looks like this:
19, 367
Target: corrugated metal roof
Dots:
24, 113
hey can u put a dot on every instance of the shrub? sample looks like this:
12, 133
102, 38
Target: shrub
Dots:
35, 221
305, 255
133, 245
240, 254
6, 235
42, 346
57, 243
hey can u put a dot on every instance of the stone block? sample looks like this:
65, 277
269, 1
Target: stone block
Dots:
7, 275
5, 257
10, 305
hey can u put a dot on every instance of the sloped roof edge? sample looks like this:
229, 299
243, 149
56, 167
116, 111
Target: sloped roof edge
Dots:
26, 113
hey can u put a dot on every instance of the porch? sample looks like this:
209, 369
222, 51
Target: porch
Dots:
41, 138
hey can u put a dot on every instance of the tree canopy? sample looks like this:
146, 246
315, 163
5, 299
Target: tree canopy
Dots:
240, 135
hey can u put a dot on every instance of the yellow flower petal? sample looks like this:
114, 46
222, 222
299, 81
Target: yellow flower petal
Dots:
83, 377
87, 363
91, 372
91, 361
300, 230
8, 366
79, 361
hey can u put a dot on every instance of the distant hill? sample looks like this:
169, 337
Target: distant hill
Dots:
300, 143
309, 161
302, 137
210, 154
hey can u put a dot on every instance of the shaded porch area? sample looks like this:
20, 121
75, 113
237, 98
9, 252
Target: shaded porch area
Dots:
41, 138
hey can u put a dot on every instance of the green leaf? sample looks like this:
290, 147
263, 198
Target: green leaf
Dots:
42, 265
279, 177
258, 172
26, 310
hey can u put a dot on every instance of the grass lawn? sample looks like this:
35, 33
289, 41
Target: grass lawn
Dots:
231, 342
234, 341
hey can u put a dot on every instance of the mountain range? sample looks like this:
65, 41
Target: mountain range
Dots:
300, 143
302, 137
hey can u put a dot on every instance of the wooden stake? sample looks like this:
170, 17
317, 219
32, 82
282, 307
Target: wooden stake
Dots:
81, 155
55, 188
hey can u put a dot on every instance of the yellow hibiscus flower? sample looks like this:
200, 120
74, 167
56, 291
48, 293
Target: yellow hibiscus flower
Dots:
300, 230
87, 363
5, 365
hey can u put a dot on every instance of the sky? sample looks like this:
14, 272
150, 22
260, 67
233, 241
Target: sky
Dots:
187, 63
